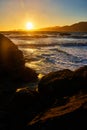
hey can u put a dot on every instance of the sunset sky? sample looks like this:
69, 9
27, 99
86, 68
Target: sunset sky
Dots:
14, 14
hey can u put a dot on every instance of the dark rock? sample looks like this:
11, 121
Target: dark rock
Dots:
12, 63
24, 99
5, 96
80, 77
23, 106
14, 74
56, 84
27, 75
65, 34
81, 72
29, 109
40, 109
11, 58
70, 116
63, 83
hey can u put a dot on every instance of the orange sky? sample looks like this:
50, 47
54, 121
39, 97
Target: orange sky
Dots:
14, 14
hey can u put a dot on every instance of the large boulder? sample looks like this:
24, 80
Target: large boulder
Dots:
56, 84
70, 116
80, 77
11, 58
26, 75
23, 106
24, 99
12, 63
63, 83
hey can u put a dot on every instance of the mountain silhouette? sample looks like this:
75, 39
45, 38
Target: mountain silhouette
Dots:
77, 27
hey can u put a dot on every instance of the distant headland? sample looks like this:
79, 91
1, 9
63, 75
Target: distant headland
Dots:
77, 27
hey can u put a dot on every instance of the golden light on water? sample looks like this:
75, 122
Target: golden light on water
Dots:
29, 26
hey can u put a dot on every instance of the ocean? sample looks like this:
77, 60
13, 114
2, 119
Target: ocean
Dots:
51, 51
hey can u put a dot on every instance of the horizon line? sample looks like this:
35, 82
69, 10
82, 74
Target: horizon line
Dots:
39, 29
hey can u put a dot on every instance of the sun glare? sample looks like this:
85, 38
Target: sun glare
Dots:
29, 26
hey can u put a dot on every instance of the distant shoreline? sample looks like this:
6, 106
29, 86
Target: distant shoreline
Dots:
77, 27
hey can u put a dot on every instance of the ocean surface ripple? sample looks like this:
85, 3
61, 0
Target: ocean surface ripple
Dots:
50, 51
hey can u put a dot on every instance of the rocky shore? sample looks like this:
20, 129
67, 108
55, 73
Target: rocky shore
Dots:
59, 102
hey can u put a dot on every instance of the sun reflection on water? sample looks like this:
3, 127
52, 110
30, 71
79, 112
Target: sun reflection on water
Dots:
40, 76
30, 50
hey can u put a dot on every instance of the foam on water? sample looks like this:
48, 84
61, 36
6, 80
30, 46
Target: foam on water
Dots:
46, 52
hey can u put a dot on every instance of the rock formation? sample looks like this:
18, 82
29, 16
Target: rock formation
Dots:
59, 103
12, 63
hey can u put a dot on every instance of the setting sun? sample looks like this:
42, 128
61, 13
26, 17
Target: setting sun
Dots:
29, 26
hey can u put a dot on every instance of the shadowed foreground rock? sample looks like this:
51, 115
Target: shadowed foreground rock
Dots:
60, 103
24, 106
80, 76
12, 63
56, 83
72, 115
62, 107
11, 59
13, 73
63, 83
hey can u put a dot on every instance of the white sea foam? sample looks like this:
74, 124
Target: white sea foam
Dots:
46, 52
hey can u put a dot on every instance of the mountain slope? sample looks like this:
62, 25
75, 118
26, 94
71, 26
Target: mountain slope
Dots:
77, 27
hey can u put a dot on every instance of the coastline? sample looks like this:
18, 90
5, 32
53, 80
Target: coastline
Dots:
60, 100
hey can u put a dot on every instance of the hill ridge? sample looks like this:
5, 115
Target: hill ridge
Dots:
76, 27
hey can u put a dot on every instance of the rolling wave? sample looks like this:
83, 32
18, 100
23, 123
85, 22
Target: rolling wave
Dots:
74, 44
53, 45
32, 35
47, 52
